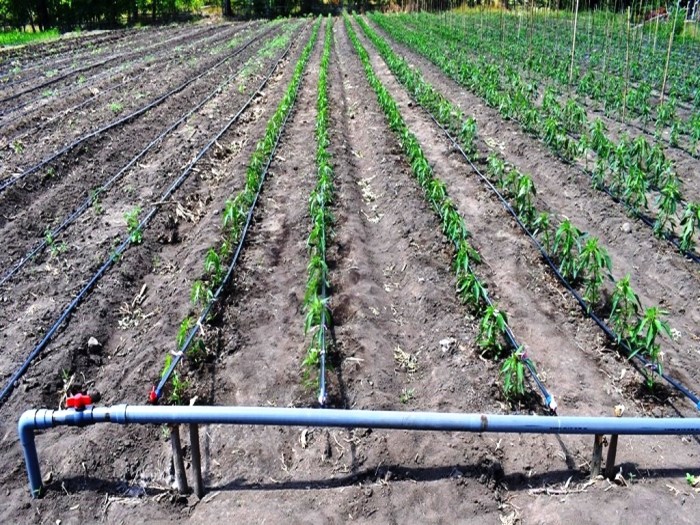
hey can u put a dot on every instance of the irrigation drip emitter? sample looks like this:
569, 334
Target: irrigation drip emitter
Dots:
157, 390
89, 201
582, 303
33, 420
13, 179
549, 400
119, 251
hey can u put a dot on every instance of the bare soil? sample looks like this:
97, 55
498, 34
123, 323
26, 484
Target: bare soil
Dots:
401, 338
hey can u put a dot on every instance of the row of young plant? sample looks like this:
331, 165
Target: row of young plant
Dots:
617, 95
604, 40
581, 259
495, 337
236, 217
316, 300
636, 167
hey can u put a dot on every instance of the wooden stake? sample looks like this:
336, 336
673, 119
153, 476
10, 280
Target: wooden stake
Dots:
178, 461
196, 461
612, 450
656, 33
597, 455
573, 46
668, 53
627, 64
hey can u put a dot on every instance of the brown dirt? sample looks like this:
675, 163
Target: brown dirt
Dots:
391, 288
597, 382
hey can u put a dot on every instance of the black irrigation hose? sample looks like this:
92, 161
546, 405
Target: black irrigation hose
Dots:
584, 306
70, 89
11, 180
72, 72
87, 203
182, 35
550, 402
65, 112
672, 239
322, 394
116, 255
165, 376
668, 236
41, 57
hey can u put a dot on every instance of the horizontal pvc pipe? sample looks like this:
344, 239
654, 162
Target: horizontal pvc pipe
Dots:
32, 420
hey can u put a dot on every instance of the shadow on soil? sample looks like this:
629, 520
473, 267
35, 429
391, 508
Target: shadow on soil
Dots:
487, 472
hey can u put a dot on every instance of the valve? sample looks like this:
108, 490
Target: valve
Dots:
153, 396
80, 400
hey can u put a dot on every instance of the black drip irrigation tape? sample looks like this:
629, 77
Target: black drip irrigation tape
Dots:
55, 63
88, 202
75, 71
119, 251
322, 394
11, 180
41, 53
549, 400
70, 89
672, 239
157, 391
582, 303
63, 113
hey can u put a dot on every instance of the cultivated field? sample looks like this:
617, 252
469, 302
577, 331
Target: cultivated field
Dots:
395, 212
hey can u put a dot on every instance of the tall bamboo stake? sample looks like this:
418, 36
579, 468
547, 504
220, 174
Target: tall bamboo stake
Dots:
627, 64
668, 52
656, 32
573, 45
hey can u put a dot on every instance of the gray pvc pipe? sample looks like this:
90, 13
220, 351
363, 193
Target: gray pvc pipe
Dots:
32, 420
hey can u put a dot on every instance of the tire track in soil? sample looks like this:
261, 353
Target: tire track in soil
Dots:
519, 285
344, 468
660, 275
121, 461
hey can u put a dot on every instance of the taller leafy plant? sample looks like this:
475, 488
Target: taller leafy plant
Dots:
567, 244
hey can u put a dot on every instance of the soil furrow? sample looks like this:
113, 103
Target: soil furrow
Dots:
660, 275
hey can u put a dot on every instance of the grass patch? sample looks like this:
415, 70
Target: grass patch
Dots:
18, 38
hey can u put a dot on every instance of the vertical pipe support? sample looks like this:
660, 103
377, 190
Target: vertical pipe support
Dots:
178, 461
610, 460
612, 450
598, 441
196, 461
